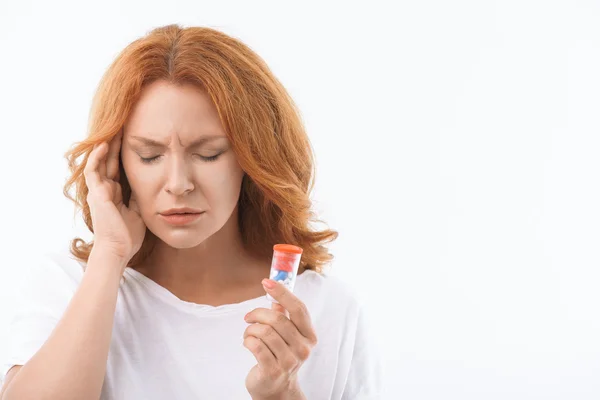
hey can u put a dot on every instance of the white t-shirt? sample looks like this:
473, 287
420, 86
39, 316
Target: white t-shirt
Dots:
165, 348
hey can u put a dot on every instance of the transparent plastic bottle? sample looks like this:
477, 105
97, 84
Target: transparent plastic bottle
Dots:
284, 266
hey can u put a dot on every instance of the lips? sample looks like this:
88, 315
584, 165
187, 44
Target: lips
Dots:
181, 218
181, 211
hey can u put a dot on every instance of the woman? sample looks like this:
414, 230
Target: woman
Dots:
165, 306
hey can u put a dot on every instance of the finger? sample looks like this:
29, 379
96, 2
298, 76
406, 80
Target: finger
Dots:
265, 359
102, 160
299, 313
90, 171
112, 160
118, 198
278, 307
282, 324
275, 343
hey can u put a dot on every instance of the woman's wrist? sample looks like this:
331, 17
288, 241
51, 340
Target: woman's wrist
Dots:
102, 258
293, 392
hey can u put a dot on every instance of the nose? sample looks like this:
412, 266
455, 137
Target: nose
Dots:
179, 181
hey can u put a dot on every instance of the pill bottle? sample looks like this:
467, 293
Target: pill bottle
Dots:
284, 266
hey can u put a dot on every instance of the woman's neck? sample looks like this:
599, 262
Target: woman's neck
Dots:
207, 274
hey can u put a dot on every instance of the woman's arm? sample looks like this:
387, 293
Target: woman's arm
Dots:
72, 362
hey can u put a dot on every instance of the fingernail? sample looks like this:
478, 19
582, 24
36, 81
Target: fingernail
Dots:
268, 283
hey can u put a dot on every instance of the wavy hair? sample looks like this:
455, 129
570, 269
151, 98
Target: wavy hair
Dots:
261, 121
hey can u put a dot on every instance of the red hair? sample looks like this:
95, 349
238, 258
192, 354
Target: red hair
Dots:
261, 121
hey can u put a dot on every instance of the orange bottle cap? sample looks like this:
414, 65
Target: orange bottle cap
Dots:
288, 248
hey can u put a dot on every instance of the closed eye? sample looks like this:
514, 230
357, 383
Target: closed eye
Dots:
151, 160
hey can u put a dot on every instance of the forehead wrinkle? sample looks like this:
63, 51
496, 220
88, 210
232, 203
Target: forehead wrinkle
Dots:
154, 143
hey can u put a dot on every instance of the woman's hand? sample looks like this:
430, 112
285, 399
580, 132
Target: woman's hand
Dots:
117, 228
279, 344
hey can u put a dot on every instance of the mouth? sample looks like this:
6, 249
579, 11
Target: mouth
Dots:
181, 211
181, 218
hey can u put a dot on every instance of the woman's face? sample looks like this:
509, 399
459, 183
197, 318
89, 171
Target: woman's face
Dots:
190, 165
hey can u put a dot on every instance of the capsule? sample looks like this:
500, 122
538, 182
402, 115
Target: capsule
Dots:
284, 266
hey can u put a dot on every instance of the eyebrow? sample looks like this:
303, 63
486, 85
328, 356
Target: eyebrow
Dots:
197, 142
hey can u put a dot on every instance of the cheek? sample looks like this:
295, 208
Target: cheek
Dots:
222, 185
139, 180
140, 176
134, 175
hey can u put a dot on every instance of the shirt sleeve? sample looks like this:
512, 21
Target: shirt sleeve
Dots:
46, 288
365, 377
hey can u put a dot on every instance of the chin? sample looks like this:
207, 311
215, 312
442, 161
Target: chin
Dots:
183, 239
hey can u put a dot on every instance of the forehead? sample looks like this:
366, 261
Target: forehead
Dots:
149, 141
165, 109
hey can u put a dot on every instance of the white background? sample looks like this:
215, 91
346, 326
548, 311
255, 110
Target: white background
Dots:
458, 155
